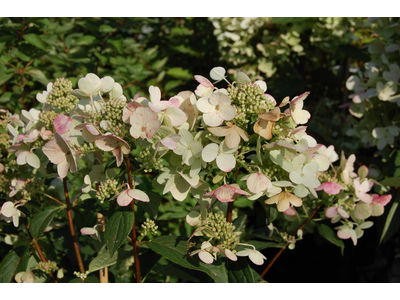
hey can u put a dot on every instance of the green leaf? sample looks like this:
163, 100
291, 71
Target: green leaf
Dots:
239, 271
104, 259
4, 77
39, 76
260, 245
242, 78
175, 249
84, 40
151, 207
106, 28
389, 228
119, 225
330, 235
118, 44
392, 181
39, 222
159, 64
8, 266
180, 73
35, 40
103, 59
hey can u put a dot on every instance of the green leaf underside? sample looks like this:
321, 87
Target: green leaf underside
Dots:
39, 222
118, 228
175, 249
330, 235
239, 271
8, 266
104, 259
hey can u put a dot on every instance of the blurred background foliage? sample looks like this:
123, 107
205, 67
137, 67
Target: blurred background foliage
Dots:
292, 55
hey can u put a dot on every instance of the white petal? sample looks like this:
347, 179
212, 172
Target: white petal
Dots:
206, 257
226, 162
210, 152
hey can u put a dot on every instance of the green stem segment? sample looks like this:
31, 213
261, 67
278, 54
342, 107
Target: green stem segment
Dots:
285, 246
72, 229
134, 234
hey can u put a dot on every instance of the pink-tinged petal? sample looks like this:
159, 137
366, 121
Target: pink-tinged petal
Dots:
203, 81
129, 109
152, 127
206, 257
138, 195
174, 102
343, 213
21, 158
257, 182
209, 194
62, 124
8, 209
72, 163
229, 254
171, 141
53, 152
331, 212
290, 211
106, 142
124, 199
381, 200
344, 234
136, 130
225, 193
88, 231
226, 162
330, 188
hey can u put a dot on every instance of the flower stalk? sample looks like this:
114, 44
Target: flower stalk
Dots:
134, 234
72, 229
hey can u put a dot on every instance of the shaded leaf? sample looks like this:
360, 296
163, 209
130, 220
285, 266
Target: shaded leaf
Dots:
8, 266
118, 227
40, 221
390, 228
175, 249
239, 271
330, 235
35, 40
392, 181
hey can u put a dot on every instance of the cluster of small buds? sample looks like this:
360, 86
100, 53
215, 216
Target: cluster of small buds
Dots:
32, 187
94, 117
4, 184
81, 275
273, 171
291, 239
60, 95
241, 156
250, 100
84, 148
113, 111
5, 140
149, 226
47, 267
149, 163
225, 231
47, 118
107, 189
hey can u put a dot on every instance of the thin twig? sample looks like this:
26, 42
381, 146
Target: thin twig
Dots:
39, 251
134, 235
284, 247
72, 229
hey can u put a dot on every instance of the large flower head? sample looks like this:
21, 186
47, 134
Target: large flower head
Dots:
216, 109
118, 146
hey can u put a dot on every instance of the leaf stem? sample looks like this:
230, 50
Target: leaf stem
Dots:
39, 251
285, 246
72, 229
134, 234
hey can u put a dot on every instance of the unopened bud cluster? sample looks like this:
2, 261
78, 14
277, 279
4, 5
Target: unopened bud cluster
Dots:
32, 187
81, 275
47, 118
4, 140
148, 162
47, 267
225, 231
85, 148
60, 95
113, 112
4, 184
149, 226
107, 189
250, 101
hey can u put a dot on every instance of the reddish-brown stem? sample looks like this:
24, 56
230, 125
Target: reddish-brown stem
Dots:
134, 235
284, 247
72, 228
39, 251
